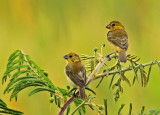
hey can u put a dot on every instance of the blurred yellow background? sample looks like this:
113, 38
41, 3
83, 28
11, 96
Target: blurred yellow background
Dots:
48, 29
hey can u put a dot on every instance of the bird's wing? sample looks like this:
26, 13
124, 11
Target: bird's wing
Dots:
118, 39
79, 78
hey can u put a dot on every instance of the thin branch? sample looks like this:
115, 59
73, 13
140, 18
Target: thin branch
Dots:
122, 70
98, 67
93, 76
25, 59
67, 103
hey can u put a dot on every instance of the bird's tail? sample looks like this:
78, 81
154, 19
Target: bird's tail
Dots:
122, 56
82, 92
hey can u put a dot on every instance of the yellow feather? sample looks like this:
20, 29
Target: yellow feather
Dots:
116, 47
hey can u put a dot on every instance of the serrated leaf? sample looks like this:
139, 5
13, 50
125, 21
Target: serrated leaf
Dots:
39, 90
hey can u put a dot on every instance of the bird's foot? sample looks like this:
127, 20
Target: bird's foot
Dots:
108, 56
74, 93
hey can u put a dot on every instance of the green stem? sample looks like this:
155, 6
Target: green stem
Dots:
94, 62
45, 78
78, 107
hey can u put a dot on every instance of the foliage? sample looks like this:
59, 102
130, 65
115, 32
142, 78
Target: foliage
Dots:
24, 73
6, 110
118, 72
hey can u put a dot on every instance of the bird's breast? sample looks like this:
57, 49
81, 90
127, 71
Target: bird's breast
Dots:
72, 83
117, 48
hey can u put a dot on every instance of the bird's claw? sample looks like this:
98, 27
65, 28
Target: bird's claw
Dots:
108, 56
74, 93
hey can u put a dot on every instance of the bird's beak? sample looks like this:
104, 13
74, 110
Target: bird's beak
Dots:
108, 26
65, 57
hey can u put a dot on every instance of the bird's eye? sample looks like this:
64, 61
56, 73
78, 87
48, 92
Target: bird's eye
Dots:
113, 24
70, 56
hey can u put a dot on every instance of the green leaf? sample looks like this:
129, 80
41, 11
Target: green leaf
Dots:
90, 90
2, 103
13, 54
9, 65
16, 80
34, 65
105, 105
24, 84
4, 78
157, 64
142, 110
120, 109
99, 82
141, 72
15, 67
127, 80
73, 89
90, 106
112, 81
5, 109
39, 90
152, 111
149, 71
68, 110
20, 88
20, 72
130, 109
134, 71
63, 91
77, 102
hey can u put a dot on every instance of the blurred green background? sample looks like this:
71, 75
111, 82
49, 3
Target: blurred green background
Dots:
48, 29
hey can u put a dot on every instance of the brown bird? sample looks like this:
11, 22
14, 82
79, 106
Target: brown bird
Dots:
76, 73
118, 39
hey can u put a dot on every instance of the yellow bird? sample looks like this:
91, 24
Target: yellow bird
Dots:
118, 39
76, 73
